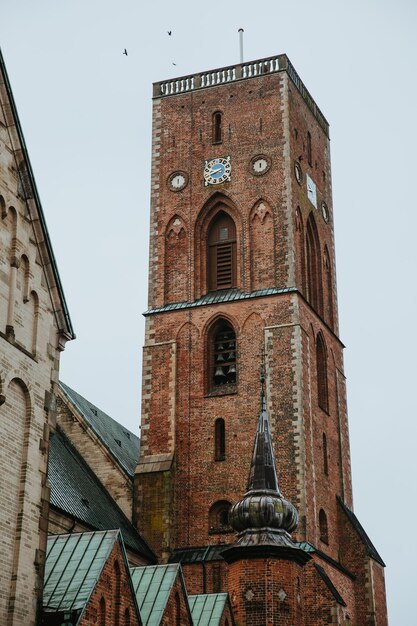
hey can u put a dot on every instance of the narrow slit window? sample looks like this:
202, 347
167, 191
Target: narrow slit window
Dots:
325, 456
309, 150
217, 127
323, 527
322, 384
220, 440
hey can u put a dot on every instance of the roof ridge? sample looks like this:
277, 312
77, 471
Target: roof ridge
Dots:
124, 460
62, 384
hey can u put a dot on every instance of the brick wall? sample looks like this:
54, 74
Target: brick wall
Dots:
118, 599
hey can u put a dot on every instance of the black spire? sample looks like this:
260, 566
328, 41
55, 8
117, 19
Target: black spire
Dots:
263, 473
263, 519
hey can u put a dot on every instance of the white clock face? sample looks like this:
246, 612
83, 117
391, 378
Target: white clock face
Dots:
325, 212
217, 171
177, 181
260, 165
311, 191
298, 172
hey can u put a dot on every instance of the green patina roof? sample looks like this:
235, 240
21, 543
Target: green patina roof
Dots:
207, 609
72, 568
77, 491
121, 443
152, 586
216, 297
198, 554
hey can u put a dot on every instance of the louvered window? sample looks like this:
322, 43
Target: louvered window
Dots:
222, 253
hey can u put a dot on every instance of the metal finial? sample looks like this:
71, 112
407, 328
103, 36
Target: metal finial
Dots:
263, 372
241, 31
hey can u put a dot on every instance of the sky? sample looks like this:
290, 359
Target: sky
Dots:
85, 110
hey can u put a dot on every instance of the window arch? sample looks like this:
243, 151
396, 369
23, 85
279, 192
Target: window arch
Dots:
117, 590
221, 249
309, 149
217, 127
219, 440
217, 579
325, 456
321, 363
323, 527
314, 282
222, 356
219, 517
299, 227
177, 609
102, 612
329, 285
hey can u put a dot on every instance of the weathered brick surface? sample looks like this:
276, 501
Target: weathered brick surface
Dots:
118, 596
176, 610
282, 241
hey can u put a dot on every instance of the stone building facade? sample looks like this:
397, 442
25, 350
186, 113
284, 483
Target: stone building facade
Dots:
34, 327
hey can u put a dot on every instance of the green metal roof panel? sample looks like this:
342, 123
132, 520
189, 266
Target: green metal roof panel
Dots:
198, 554
121, 443
77, 491
72, 568
152, 585
220, 296
207, 609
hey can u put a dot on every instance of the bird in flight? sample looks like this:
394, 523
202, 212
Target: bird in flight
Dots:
169, 32
125, 52
173, 63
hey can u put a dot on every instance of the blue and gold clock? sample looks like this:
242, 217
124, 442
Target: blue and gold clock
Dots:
217, 171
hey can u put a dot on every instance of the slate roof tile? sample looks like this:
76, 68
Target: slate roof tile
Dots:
77, 491
120, 441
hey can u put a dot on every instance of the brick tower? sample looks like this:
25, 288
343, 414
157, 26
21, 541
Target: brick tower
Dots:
241, 262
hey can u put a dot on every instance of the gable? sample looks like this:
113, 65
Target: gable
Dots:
19, 190
161, 596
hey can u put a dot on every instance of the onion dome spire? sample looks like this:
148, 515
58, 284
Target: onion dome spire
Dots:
264, 519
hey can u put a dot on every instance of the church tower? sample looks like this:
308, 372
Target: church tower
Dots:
242, 262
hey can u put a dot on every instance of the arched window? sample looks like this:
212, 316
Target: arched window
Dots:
117, 590
324, 530
301, 246
217, 127
217, 579
325, 456
102, 612
309, 150
321, 363
219, 440
314, 282
127, 617
329, 286
219, 517
177, 610
222, 356
221, 261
